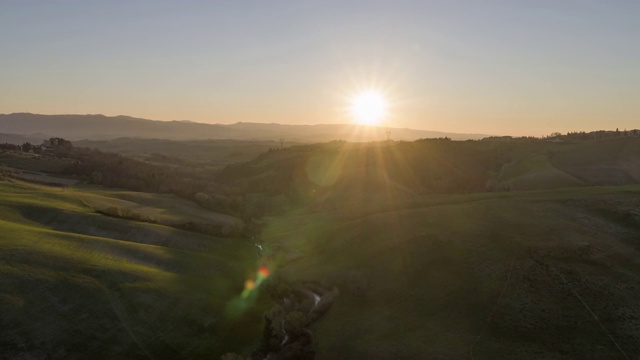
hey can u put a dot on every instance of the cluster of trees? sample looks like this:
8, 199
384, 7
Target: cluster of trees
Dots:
569, 136
10, 147
195, 183
164, 159
55, 146
286, 334
513, 138
272, 182
599, 134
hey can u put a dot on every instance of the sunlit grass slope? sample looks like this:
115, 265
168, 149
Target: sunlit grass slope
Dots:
164, 208
78, 285
514, 275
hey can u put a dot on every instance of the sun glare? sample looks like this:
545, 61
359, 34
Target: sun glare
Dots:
368, 107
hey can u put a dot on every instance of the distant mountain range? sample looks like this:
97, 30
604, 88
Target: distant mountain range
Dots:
101, 127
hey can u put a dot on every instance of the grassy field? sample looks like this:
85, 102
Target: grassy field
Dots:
165, 208
532, 170
602, 162
536, 166
538, 274
78, 285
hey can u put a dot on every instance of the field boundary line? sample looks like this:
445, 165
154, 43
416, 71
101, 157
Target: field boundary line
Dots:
590, 311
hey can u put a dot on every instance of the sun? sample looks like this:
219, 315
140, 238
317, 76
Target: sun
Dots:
368, 107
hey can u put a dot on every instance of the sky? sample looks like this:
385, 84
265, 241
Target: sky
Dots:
492, 67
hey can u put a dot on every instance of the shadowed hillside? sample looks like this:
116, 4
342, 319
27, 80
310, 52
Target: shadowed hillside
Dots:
489, 276
602, 162
337, 173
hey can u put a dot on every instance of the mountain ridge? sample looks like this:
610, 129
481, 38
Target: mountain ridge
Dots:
102, 127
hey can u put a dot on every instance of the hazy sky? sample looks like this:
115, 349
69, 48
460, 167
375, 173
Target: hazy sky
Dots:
494, 67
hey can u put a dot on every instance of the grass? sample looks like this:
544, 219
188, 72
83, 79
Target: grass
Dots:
602, 162
532, 170
79, 285
164, 208
488, 274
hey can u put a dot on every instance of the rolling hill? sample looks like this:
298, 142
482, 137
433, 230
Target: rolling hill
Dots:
75, 284
424, 272
547, 274
327, 175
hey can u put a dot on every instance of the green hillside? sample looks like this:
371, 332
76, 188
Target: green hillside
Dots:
162, 208
79, 285
551, 274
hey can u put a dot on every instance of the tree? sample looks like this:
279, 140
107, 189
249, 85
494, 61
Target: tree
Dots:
295, 321
555, 135
26, 147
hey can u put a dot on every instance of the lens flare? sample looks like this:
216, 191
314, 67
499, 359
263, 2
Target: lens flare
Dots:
251, 285
263, 271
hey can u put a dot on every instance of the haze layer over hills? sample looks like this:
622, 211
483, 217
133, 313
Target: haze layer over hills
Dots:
100, 127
